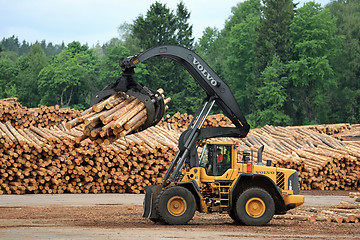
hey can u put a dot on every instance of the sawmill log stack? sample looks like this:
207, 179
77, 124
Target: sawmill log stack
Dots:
61, 158
40, 160
23, 117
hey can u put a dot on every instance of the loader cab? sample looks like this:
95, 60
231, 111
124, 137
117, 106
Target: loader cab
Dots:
216, 158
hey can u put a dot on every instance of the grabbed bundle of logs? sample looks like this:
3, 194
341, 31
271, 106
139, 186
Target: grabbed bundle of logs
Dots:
117, 116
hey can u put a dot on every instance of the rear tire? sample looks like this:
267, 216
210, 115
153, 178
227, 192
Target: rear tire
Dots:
175, 205
255, 206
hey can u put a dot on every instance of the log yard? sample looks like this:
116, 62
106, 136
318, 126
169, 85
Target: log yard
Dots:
181, 176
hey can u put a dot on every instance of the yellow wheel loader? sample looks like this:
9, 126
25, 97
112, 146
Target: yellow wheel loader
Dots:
207, 175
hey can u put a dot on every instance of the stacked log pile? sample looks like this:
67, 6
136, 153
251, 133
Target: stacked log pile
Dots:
112, 118
36, 159
355, 196
322, 161
328, 129
353, 134
23, 117
40, 160
324, 155
344, 212
182, 121
178, 120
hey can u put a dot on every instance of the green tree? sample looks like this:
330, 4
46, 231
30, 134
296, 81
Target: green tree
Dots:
24, 48
346, 64
8, 73
127, 39
272, 96
211, 47
272, 51
312, 78
30, 66
52, 50
11, 44
274, 37
156, 28
70, 79
162, 26
240, 34
110, 69
183, 28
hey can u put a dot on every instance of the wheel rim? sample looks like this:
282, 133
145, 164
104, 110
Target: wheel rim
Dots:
255, 207
176, 206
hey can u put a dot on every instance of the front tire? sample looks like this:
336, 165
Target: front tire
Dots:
175, 205
255, 206
155, 220
232, 213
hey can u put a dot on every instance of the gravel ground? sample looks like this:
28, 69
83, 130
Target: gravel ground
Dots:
118, 216
312, 198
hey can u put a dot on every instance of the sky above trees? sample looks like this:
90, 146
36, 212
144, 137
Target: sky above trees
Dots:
95, 21
283, 68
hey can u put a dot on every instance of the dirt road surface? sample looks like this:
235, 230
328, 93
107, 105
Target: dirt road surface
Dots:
118, 216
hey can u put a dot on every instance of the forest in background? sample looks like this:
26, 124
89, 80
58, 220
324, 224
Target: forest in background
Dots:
286, 65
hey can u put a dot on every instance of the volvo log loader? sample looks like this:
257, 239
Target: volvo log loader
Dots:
207, 175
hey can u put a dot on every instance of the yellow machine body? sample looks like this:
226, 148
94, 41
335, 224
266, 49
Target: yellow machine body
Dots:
216, 188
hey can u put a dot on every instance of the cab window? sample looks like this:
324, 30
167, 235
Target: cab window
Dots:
216, 159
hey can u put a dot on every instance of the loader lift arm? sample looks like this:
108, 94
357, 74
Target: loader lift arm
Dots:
216, 89
217, 92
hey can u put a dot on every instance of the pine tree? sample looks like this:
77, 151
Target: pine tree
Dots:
272, 50
161, 26
184, 29
274, 33
311, 74
346, 64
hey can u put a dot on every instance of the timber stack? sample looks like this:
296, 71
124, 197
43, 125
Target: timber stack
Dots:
323, 161
182, 121
40, 160
326, 156
23, 117
112, 118
56, 159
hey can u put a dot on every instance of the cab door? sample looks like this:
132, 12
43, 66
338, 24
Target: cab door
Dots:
216, 159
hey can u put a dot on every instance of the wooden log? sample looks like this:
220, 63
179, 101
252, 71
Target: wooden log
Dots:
127, 116
9, 135
354, 194
109, 115
70, 124
101, 105
292, 217
348, 205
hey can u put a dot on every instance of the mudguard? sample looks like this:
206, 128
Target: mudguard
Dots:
150, 195
152, 191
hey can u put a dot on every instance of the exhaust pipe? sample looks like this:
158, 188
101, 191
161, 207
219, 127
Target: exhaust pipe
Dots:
259, 154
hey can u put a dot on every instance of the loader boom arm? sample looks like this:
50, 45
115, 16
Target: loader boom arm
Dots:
214, 87
217, 92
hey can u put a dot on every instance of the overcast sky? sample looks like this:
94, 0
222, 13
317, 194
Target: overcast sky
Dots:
96, 21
